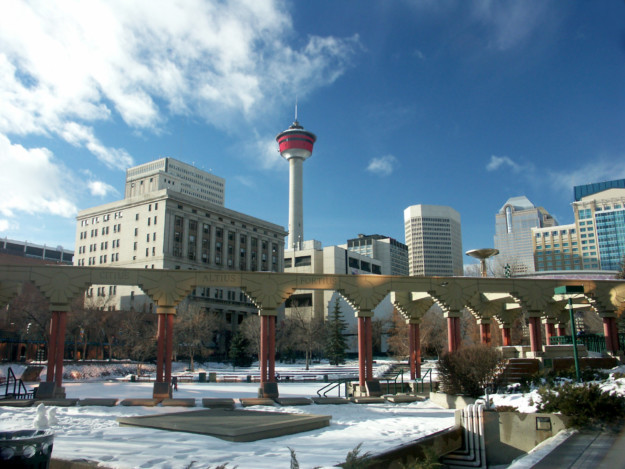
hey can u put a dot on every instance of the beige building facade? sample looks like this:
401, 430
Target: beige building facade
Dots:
172, 228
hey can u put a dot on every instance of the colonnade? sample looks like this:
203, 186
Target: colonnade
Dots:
487, 298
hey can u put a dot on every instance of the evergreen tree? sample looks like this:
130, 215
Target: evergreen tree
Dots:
336, 343
239, 354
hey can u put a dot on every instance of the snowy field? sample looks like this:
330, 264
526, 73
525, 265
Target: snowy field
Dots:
92, 433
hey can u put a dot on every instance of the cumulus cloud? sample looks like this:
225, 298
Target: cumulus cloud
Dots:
383, 166
599, 170
499, 162
33, 182
67, 65
100, 188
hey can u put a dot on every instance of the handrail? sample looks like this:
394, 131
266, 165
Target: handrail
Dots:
336, 384
18, 387
393, 378
422, 380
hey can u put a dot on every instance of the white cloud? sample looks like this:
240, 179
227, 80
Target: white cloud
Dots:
66, 65
599, 170
33, 182
6, 225
101, 189
497, 162
383, 166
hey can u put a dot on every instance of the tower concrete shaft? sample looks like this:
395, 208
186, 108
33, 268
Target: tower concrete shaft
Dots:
296, 203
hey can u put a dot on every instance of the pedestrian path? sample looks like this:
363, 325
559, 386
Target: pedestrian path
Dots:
587, 449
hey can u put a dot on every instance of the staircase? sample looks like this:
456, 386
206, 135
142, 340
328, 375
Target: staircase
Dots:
517, 368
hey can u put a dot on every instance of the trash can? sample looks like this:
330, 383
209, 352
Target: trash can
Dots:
202, 377
248, 379
212, 377
26, 449
133, 378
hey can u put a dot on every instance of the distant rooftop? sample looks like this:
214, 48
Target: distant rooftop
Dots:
518, 203
590, 189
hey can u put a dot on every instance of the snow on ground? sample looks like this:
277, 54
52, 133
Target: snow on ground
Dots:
92, 433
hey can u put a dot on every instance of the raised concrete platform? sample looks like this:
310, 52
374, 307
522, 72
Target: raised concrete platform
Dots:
231, 425
178, 402
102, 401
16, 402
217, 403
140, 402
330, 400
57, 402
404, 398
248, 402
293, 401
367, 400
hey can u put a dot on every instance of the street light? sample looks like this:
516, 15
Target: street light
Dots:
482, 255
568, 292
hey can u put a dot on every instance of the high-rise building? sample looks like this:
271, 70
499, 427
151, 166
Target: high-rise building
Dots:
434, 240
391, 253
600, 221
513, 233
173, 217
556, 248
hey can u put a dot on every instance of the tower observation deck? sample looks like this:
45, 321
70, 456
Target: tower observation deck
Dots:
296, 144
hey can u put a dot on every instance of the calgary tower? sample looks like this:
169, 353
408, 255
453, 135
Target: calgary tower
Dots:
296, 144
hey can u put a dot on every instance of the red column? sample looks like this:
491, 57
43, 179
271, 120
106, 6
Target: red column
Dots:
272, 348
451, 335
485, 333
506, 339
412, 351
457, 331
561, 330
535, 337
54, 325
417, 346
362, 351
369, 344
615, 335
263, 350
160, 347
169, 345
60, 348
550, 331
608, 330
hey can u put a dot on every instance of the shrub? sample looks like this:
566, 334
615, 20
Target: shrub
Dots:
506, 408
586, 404
469, 370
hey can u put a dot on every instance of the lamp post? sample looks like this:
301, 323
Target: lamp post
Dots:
482, 255
569, 291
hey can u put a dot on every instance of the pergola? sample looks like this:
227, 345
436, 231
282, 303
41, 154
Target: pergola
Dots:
501, 299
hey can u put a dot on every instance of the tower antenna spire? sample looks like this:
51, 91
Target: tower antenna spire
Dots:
295, 108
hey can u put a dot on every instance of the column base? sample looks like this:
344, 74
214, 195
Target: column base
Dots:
49, 390
162, 391
269, 390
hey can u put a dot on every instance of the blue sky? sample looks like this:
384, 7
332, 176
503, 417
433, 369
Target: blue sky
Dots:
445, 102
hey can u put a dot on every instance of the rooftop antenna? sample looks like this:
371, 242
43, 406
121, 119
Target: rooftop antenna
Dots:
295, 108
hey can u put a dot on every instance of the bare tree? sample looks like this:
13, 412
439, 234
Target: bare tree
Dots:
194, 330
250, 330
309, 332
398, 336
138, 336
434, 331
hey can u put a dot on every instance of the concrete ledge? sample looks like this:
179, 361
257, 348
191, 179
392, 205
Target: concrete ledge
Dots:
449, 401
218, 403
367, 400
250, 401
293, 401
140, 402
403, 398
105, 402
178, 402
16, 402
57, 402
73, 464
330, 400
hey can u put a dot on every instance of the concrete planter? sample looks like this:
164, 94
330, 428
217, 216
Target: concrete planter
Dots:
451, 401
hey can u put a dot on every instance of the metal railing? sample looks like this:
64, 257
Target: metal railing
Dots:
336, 384
19, 389
593, 342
